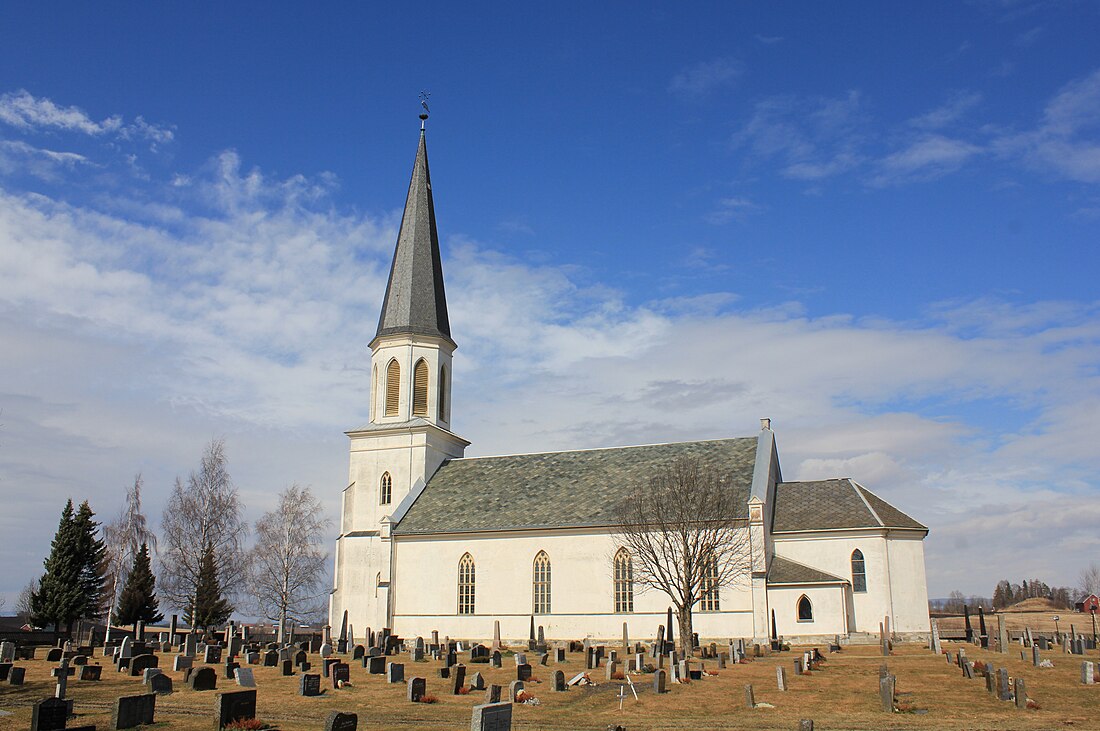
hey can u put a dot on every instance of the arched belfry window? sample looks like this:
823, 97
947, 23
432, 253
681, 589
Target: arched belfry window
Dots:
466, 584
442, 393
393, 388
859, 572
805, 609
709, 601
624, 581
542, 583
385, 489
420, 388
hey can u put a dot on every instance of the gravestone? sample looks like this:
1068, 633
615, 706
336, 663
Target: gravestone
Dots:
271, 659
886, 689
182, 661
781, 677
495, 659
16, 675
288, 668
458, 679
140, 663
1004, 689
968, 670
660, 681
326, 650
5, 668
750, 700
477, 682
231, 670
309, 685
54, 654
160, 684
300, 657
493, 693
559, 654
326, 665
91, 672
341, 673
7, 652
1088, 674
358, 652
339, 721
492, 717
559, 681
49, 714
1020, 693
523, 672
134, 710
520, 658
395, 672
376, 665
514, 689
610, 669
239, 705
1002, 634
204, 678
416, 689
245, 677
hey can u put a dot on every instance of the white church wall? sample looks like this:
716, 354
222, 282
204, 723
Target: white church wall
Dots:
360, 560
582, 599
826, 600
897, 591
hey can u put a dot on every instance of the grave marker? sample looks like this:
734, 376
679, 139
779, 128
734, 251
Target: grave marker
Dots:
492, 717
245, 677
204, 678
236, 706
781, 677
660, 681
339, 721
134, 710
309, 685
91, 672
49, 714
416, 689
514, 689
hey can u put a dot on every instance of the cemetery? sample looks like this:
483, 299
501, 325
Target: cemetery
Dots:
941, 685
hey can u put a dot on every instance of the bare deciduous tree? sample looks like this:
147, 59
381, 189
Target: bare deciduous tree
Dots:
287, 564
23, 606
124, 537
687, 533
205, 512
1090, 580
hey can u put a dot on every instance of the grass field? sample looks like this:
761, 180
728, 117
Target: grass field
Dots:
842, 695
1037, 621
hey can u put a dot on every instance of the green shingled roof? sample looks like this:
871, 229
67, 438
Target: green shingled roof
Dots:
785, 571
558, 489
833, 505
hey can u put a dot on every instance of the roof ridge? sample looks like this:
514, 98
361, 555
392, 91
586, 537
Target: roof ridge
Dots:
863, 489
857, 487
597, 449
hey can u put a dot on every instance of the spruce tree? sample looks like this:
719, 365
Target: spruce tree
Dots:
138, 600
211, 608
93, 570
60, 596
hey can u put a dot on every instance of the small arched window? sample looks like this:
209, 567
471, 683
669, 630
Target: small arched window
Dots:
420, 388
805, 609
385, 489
709, 601
624, 581
859, 572
541, 584
393, 388
466, 584
442, 393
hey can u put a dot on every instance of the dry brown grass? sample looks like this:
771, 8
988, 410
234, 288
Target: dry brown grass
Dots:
841, 695
1039, 620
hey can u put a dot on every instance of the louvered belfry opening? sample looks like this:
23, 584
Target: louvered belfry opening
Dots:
420, 388
393, 388
443, 393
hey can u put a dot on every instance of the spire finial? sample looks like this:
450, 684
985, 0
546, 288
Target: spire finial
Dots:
424, 95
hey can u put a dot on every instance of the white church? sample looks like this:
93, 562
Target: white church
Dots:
432, 540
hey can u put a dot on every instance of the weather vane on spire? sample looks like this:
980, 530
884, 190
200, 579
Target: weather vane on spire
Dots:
424, 103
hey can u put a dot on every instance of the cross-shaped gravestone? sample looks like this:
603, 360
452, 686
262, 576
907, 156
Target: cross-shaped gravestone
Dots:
62, 673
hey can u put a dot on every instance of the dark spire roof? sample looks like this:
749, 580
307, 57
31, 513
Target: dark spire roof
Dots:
415, 302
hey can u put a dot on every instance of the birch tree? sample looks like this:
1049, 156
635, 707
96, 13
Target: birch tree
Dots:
124, 537
287, 562
687, 535
202, 514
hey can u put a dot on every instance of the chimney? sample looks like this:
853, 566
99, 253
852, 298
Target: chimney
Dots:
765, 424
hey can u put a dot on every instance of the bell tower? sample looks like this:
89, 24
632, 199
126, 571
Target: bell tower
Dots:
408, 436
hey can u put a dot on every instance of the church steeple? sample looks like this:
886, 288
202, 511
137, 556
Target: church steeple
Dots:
415, 302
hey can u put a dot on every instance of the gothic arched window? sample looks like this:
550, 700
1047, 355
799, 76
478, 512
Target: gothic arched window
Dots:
393, 388
420, 388
709, 601
623, 581
859, 572
466, 584
443, 393
541, 584
385, 489
805, 609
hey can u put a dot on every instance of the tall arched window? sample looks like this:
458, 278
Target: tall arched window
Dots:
859, 571
466, 584
385, 489
541, 586
420, 388
805, 609
443, 393
624, 581
393, 388
709, 601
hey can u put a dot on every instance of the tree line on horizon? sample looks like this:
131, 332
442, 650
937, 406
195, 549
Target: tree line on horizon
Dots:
1006, 594
99, 571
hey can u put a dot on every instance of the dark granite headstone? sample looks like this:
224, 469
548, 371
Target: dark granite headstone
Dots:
160, 684
16, 675
341, 673
660, 682
91, 672
493, 693
309, 685
376, 665
54, 654
271, 659
395, 672
49, 714
203, 679
231, 670
458, 679
140, 663
288, 668
416, 689
134, 710
492, 717
523, 672
559, 681
338, 721
236, 706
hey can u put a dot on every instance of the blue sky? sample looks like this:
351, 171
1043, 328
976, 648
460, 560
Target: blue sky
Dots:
875, 223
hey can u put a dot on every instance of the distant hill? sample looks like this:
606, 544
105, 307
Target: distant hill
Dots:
1035, 604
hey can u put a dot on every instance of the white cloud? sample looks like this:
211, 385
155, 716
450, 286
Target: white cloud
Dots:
927, 157
22, 110
729, 209
705, 76
949, 112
